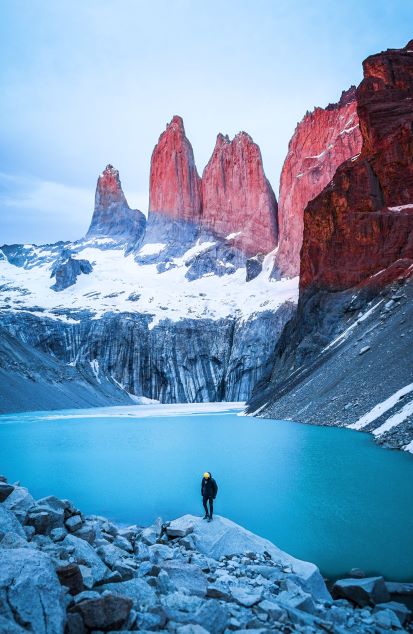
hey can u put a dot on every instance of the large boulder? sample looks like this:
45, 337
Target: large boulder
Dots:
186, 577
223, 537
106, 613
30, 592
9, 524
5, 490
85, 555
19, 502
142, 595
363, 592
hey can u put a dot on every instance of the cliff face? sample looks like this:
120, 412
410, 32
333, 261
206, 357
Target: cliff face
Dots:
323, 140
362, 223
112, 216
356, 292
175, 187
238, 200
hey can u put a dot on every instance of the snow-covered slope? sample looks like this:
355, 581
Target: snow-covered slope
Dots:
167, 320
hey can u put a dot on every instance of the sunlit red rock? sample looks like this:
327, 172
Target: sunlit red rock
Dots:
359, 230
238, 201
175, 187
324, 139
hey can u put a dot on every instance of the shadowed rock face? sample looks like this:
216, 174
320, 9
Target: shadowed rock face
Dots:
175, 187
362, 222
323, 140
237, 198
356, 268
112, 216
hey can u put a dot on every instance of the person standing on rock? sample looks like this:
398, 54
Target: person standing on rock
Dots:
209, 490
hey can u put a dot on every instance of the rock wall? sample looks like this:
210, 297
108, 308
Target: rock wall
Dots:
174, 362
357, 254
325, 138
237, 199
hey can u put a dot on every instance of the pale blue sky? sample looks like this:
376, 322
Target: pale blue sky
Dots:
88, 82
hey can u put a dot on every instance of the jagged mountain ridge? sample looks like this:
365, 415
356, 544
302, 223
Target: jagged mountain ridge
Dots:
158, 308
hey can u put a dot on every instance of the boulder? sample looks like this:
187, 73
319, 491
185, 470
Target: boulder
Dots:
30, 592
14, 540
84, 554
44, 519
402, 612
71, 577
151, 534
142, 595
74, 523
246, 596
224, 537
9, 524
186, 577
107, 613
5, 490
10, 627
368, 591
19, 502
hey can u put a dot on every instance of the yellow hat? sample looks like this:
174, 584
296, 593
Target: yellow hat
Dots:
206, 475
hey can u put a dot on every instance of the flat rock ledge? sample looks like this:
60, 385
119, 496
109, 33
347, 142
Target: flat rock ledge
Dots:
62, 572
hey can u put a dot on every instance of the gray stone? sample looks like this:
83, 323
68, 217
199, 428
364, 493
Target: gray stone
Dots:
395, 587
30, 591
401, 611
273, 610
84, 554
74, 523
191, 628
123, 543
5, 490
110, 554
86, 594
74, 624
179, 527
142, 595
160, 552
58, 534
44, 519
151, 534
8, 522
298, 600
19, 502
106, 613
213, 615
363, 592
70, 576
246, 596
218, 592
186, 577
387, 619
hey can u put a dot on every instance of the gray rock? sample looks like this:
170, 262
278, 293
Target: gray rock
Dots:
30, 591
395, 587
123, 543
58, 534
186, 577
86, 594
246, 596
363, 592
109, 612
274, 611
402, 612
8, 522
387, 619
142, 595
191, 628
151, 534
215, 591
74, 523
67, 271
213, 615
110, 554
85, 555
70, 576
5, 490
44, 519
357, 573
297, 599
19, 502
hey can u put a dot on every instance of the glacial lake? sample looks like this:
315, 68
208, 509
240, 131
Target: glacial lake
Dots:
325, 495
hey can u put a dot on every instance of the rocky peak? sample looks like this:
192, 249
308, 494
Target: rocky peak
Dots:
323, 140
360, 228
238, 200
112, 216
175, 187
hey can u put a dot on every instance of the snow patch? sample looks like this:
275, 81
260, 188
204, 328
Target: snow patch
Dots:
381, 408
152, 249
396, 419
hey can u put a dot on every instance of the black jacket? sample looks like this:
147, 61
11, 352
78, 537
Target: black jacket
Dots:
209, 488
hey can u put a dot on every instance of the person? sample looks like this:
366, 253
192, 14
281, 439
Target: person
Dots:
209, 490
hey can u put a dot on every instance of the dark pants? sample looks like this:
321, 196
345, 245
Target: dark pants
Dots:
205, 501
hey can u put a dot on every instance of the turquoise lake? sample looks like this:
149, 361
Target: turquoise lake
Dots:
326, 495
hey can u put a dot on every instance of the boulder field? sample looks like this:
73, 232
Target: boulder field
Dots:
65, 572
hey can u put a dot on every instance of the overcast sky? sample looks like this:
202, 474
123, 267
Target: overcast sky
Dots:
88, 82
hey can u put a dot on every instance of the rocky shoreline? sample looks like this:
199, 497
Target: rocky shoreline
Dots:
65, 572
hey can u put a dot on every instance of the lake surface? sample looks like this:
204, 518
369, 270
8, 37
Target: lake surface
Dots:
326, 495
